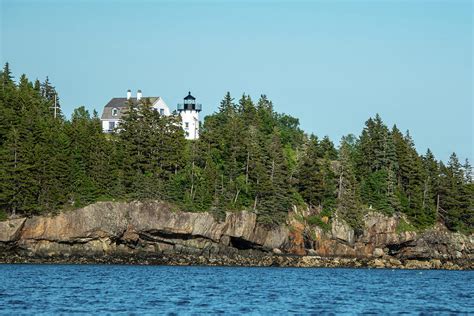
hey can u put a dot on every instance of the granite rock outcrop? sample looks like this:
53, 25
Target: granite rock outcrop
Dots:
124, 231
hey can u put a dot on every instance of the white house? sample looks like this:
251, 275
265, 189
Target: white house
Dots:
189, 112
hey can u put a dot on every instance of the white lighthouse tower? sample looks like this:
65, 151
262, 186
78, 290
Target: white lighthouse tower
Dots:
189, 112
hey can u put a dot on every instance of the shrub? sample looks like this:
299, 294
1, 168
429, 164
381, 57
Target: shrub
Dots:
403, 226
3, 216
317, 220
326, 212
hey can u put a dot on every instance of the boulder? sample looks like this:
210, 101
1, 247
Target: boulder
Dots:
381, 230
378, 263
436, 263
342, 231
334, 248
417, 264
10, 229
395, 262
269, 238
130, 236
378, 252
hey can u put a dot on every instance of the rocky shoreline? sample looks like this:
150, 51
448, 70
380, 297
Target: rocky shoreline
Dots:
264, 260
155, 233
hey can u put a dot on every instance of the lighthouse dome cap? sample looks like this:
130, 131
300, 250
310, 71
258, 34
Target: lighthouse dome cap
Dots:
189, 96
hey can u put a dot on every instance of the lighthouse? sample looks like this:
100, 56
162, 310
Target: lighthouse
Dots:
189, 111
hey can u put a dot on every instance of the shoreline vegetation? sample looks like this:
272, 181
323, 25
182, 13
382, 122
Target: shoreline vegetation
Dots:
248, 158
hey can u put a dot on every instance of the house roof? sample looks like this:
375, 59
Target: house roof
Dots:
121, 104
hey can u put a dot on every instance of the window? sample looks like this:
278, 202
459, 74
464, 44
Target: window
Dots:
162, 111
111, 126
114, 112
186, 125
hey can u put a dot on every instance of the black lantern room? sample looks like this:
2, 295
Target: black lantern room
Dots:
189, 104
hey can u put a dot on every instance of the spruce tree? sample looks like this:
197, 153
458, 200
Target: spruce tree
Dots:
275, 200
310, 178
348, 204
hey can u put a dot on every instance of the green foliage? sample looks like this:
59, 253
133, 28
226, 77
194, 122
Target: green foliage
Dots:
34, 149
3, 216
315, 179
348, 201
300, 218
403, 226
248, 157
152, 149
316, 220
455, 196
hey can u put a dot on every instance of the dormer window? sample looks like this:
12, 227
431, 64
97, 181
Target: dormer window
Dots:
114, 112
162, 111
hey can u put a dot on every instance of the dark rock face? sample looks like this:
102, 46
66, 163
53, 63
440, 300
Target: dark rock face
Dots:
109, 228
115, 232
380, 239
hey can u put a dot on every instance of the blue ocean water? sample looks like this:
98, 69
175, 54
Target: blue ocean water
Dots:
117, 289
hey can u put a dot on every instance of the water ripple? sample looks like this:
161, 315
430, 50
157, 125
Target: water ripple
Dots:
150, 290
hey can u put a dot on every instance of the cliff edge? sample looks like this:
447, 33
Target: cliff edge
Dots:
152, 232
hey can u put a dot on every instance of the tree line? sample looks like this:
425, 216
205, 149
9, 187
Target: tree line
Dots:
247, 157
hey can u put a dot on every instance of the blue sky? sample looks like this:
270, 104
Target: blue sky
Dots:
332, 64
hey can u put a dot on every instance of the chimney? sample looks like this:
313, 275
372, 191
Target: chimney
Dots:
139, 95
129, 94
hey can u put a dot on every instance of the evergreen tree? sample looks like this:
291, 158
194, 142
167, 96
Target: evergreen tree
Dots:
227, 104
328, 149
316, 181
275, 189
248, 157
454, 199
376, 166
153, 150
348, 204
467, 170
35, 152
8, 105
265, 115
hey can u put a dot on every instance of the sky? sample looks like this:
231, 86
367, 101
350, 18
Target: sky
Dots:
332, 64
